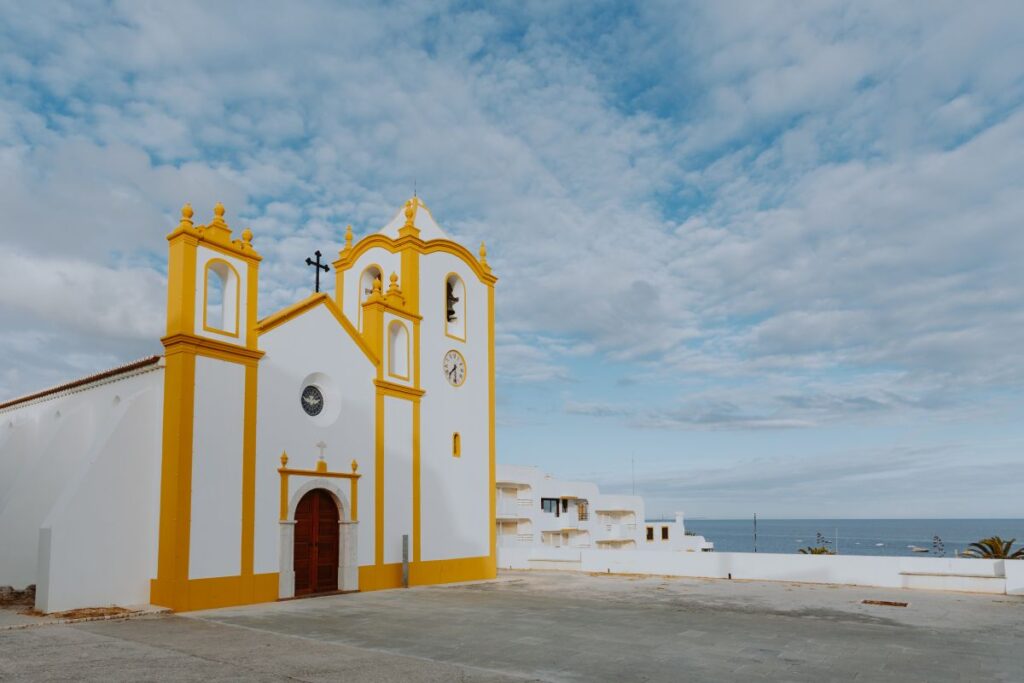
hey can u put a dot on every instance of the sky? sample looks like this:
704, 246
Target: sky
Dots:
753, 257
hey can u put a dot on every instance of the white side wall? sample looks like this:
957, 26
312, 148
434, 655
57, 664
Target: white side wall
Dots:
455, 491
312, 348
979, 576
98, 544
62, 455
215, 541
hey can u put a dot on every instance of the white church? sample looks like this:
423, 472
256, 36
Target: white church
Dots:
343, 443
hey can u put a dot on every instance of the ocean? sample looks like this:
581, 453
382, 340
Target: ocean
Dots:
855, 536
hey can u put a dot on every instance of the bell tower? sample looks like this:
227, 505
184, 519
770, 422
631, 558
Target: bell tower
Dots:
207, 494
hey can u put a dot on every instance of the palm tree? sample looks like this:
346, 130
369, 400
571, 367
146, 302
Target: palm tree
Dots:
994, 548
819, 550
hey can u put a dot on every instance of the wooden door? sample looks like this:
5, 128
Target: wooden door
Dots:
316, 543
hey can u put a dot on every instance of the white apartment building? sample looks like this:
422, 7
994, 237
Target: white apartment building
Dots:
533, 509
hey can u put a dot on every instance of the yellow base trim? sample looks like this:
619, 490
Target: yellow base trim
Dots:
385, 576
221, 591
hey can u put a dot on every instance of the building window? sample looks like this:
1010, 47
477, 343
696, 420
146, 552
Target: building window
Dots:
398, 350
650, 533
581, 508
664, 533
455, 307
220, 308
549, 505
456, 445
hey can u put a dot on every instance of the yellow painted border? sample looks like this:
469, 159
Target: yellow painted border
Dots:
456, 445
465, 308
391, 351
206, 298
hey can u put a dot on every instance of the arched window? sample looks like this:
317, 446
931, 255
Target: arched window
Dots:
457, 445
398, 350
369, 274
455, 307
220, 305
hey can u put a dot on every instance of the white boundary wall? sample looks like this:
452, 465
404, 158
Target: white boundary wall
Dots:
928, 573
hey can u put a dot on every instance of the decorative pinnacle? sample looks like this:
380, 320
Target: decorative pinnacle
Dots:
483, 253
376, 285
186, 217
284, 459
218, 210
410, 213
348, 237
355, 466
247, 237
394, 281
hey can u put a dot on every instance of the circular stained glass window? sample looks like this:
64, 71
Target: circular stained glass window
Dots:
312, 400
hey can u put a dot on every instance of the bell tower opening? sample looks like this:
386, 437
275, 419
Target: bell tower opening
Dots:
455, 307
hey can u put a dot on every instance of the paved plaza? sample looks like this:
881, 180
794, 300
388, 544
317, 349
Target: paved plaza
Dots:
550, 627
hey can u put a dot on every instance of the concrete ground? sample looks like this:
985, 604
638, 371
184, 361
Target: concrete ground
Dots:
551, 627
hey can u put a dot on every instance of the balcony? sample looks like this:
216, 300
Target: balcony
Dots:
518, 508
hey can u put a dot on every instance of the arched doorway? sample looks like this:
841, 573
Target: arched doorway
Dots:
316, 543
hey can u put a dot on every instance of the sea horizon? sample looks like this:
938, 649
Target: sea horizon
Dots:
882, 536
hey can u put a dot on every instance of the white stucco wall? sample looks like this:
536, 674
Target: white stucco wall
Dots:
978, 576
98, 544
312, 348
59, 451
216, 526
455, 491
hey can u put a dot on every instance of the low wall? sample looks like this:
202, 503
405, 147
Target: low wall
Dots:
929, 573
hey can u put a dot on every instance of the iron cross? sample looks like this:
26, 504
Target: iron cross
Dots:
310, 262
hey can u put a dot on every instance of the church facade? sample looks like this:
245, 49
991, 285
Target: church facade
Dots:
343, 443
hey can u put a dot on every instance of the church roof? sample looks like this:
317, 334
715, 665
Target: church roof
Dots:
422, 219
106, 374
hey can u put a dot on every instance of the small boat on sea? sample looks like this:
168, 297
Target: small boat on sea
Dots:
879, 545
917, 549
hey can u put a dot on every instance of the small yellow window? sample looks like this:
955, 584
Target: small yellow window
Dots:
456, 445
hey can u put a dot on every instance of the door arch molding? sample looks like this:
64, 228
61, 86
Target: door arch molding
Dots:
348, 569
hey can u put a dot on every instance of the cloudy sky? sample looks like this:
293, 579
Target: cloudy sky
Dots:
769, 255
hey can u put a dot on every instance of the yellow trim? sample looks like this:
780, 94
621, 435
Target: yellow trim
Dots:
378, 482
181, 283
398, 390
359, 291
249, 471
391, 351
206, 298
252, 295
353, 480
222, 591
465, 308
492, 444
425, 573
456, 445
417, 497
465, 367
419, 246
210, 348
298, 308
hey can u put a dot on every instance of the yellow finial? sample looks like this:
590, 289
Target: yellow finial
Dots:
483, 253
321, 465
186, 218
410, 212
284, 459
218, 210
348, 236
395, 296
355, 466
376, 285
247, 237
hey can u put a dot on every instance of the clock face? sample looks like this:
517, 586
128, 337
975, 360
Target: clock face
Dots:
454, 368
312, 400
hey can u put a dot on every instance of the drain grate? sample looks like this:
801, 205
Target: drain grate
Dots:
885, 603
